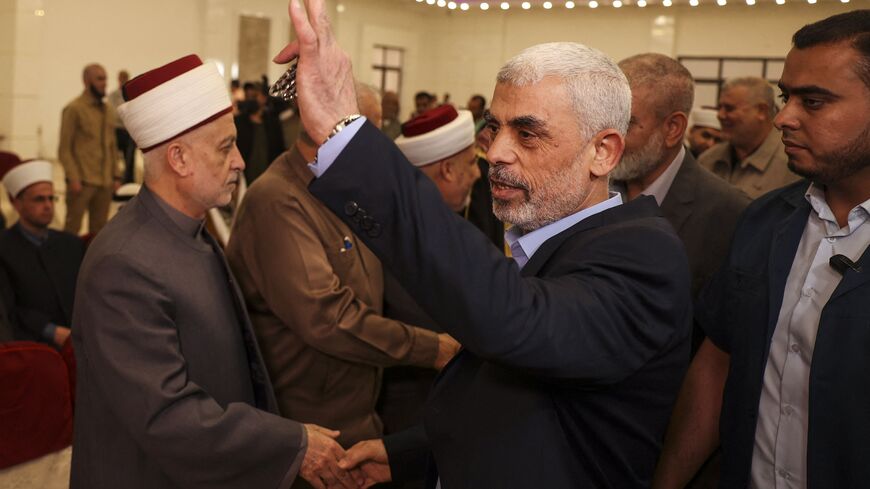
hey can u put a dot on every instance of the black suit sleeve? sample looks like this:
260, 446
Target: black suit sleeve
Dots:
408, 454
600, 320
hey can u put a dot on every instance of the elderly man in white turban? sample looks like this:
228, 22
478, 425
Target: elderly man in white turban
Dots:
172, 391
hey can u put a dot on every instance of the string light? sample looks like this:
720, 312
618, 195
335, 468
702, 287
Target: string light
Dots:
526, 5
505, 5
641, 3
569, 4
667, 3
721, 3
616, 3
693, 3
442, 3
463, 6
484, 6
750, 2
593, 4
451, 5
548, 5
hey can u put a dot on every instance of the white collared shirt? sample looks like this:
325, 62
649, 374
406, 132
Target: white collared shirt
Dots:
780, 454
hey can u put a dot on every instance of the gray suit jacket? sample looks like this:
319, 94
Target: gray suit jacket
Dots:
169, 375
703, 209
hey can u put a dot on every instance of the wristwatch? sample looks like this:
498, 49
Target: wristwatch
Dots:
341, 125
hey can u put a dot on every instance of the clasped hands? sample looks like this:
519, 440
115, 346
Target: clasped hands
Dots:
326, 465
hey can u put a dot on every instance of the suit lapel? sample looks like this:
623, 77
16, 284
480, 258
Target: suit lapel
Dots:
543, 254
783, 248
677, 206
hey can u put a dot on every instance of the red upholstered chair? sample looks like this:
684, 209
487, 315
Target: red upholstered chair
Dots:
35, 403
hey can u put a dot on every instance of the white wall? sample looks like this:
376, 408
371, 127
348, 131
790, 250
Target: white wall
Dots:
446, 51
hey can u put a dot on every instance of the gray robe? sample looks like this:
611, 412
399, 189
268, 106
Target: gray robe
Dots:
172, 391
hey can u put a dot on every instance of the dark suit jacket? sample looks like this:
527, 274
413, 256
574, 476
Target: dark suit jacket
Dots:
739, 311
171, 388
704, 210
42, 278
569, 369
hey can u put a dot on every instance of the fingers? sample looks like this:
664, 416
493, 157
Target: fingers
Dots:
325, 431
287, 54
307, 38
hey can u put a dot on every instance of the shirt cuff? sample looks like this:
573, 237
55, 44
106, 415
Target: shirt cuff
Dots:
329, 151
48, 332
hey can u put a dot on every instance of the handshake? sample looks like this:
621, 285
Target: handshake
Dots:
326, 465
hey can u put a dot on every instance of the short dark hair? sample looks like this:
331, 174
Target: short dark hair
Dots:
424, 94
850, 26
481, 99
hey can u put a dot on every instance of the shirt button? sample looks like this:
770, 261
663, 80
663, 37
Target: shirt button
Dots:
831, 240
795, 348
782, 473
788, 410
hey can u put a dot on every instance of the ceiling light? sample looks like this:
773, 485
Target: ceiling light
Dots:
430, 2
569, 4
548, 5
505, 5
780, 2
750, 2
442, 3
693, 3
526, 5
451, 5
667, 3
484, 6
811, 2
593, 4
39, 12
641, 3
463, 6
419, 1
721, 3
616, 3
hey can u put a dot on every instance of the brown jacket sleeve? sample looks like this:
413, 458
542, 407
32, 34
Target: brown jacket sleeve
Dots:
297, 279
68, 126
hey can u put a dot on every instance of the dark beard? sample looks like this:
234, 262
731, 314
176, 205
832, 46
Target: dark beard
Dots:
97, 95
839, 164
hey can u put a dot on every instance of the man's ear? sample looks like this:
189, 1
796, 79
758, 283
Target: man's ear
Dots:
675, 128
177, 155
446, 170
607, 147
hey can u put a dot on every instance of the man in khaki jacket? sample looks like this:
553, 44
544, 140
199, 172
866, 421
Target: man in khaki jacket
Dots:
314, 292
89, 154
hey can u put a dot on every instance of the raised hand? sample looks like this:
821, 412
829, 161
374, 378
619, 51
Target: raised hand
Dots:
369, 457
320, 465
324, 79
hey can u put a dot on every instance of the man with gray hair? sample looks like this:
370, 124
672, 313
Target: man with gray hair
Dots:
572, 358
752, 157
656, 163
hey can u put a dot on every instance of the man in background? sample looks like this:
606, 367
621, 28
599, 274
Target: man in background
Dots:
656, 163
752, 158
89, 154
390, 110
125, 143
704, 131
41, 264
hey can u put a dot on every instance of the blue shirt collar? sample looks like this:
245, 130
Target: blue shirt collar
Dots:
523, 246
